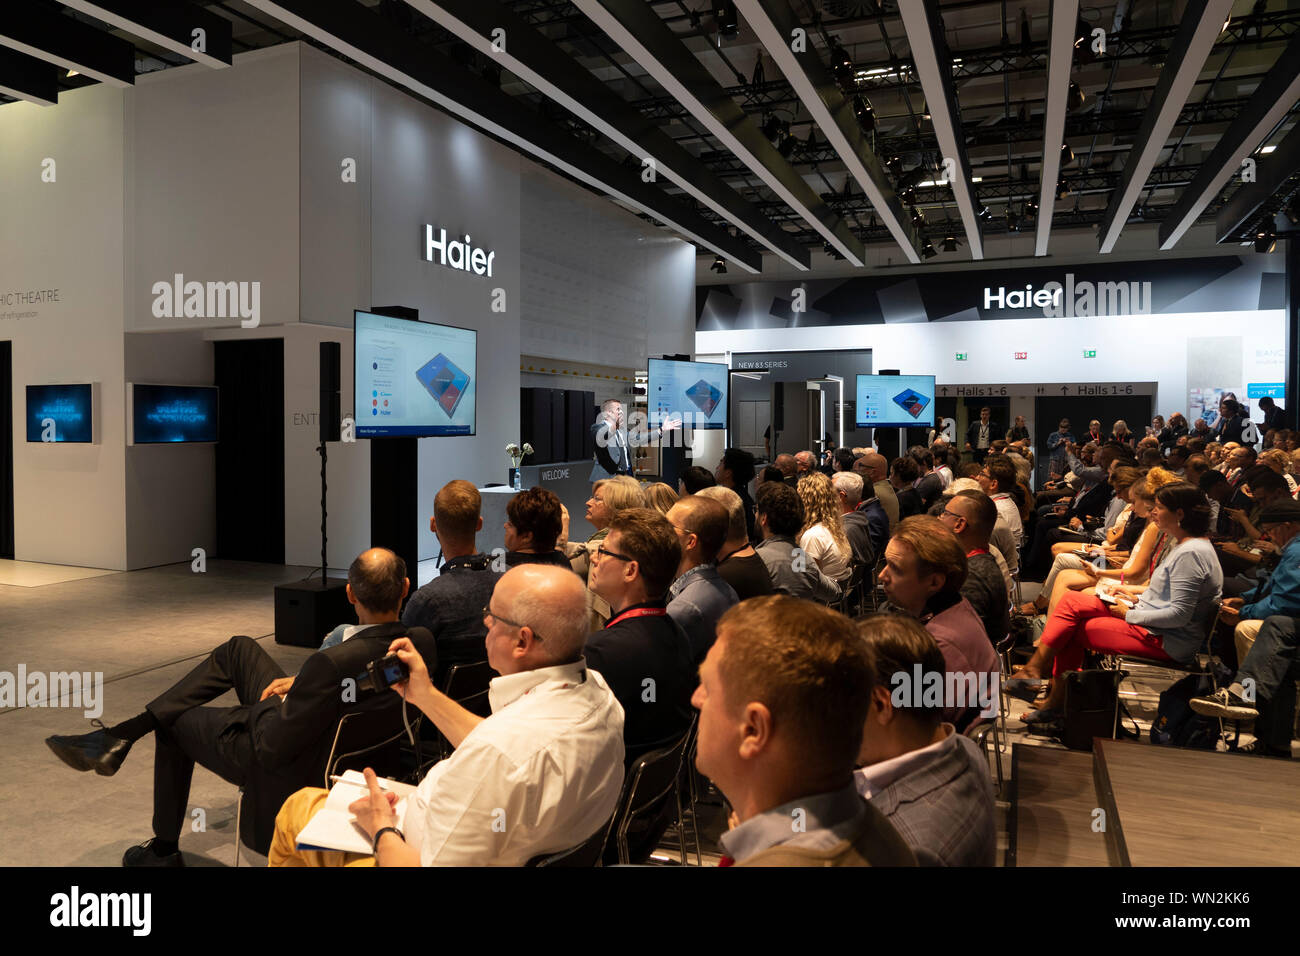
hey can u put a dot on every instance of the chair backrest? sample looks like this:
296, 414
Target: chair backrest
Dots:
650, 780
370, 734
586, 854
467, 685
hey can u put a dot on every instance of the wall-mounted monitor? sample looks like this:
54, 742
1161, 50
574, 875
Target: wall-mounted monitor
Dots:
60, 413
413, 379
169, 414
696, 391
894, 401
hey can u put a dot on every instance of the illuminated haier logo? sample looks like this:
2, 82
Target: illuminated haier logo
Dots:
1073, 299
455, 254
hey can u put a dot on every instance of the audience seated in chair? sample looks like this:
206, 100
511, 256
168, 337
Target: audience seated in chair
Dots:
929, 781
533, 526
278, 737
783, 696
865, 523
780, 518
822, 536
738, 563
1168, 621
451, 605
540, 775
970, 516
643, 654
874, 469
699, 596
924, 570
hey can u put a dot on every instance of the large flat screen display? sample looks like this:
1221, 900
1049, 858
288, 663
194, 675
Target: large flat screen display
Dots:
894, 401
413, 378
696, 391
163, 414
60, 413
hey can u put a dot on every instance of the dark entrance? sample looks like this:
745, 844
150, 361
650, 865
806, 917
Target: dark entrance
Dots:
1135, 410
250, 450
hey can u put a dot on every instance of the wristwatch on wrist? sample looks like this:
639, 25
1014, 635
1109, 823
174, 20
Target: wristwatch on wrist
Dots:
374, 847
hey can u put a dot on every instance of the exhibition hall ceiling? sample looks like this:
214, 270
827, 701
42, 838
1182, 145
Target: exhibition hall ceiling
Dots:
793, 128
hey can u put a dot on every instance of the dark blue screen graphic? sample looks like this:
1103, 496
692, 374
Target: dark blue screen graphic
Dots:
65, 408
173, 413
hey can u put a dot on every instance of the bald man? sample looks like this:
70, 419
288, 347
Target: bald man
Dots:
539, 775
874, 469
277, 739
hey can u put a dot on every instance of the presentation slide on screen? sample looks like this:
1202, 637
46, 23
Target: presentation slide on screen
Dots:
59, 413
697, 391
413, 378
173, 413
894, 401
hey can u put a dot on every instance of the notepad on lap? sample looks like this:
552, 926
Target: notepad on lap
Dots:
335, 828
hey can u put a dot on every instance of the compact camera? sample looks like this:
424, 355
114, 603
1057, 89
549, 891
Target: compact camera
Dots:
384, 673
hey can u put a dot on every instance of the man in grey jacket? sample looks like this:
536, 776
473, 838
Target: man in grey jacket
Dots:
929, 781
699, 596
780, 519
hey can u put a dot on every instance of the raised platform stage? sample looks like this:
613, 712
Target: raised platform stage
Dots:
1163, 807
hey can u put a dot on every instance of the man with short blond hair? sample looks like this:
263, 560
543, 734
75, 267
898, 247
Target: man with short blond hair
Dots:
783, 698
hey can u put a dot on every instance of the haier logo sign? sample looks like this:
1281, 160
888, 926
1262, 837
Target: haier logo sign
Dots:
1073, 299
455, 254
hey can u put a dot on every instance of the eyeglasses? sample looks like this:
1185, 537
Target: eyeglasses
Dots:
487, 613
952, 514
606, 553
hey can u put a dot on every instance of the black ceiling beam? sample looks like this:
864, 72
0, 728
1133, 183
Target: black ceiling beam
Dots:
26, 78
175, 25
544, 65
68, 43
1248, 203
366, 38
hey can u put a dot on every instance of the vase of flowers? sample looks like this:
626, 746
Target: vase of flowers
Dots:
516, 456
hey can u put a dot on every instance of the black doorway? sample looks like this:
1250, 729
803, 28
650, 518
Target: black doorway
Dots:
1135, 410
6, 450
250, 450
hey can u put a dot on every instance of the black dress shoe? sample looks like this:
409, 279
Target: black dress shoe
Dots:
97, 750
143, 855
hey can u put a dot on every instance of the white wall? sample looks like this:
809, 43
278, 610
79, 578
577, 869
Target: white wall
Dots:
69, 500
171, 488
1147, 348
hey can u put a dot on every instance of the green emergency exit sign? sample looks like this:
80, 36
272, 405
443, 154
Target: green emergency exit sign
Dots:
961, 356
1089, 353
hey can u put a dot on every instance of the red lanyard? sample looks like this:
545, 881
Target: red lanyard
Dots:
638, 612
972, 553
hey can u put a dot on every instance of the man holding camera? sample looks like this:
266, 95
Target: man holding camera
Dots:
540, 775
280, 734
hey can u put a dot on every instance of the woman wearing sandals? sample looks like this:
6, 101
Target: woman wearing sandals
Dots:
1167, 621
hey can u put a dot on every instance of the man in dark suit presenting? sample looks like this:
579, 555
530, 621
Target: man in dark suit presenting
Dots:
980, 435
612, 454
279, 737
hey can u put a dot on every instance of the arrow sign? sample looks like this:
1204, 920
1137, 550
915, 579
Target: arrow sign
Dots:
1064, 389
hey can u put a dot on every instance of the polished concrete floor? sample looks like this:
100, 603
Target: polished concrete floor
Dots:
141, 631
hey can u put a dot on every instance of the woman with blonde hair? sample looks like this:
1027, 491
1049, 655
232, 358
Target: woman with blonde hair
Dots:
609, 496
822, 537
660, 497
1280, 462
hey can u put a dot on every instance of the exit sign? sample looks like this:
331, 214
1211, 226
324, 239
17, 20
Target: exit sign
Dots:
1089, 353
961, 356
1022, 355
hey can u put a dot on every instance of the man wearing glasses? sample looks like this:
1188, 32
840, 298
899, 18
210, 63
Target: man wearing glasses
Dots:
642, 652
540, 775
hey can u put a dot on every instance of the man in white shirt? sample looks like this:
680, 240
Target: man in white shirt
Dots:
997, 478
540, 775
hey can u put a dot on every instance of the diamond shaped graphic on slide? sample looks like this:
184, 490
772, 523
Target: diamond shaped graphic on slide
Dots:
705, 397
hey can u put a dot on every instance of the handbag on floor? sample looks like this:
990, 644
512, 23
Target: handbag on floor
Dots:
1091, 699
1176, 724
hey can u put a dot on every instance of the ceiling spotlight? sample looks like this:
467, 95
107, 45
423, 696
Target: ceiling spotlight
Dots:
1227, 21
1075, 98
928, 251
831, 251
1082, 41
1062, 189
908, 196
1067, 154
771, 128
1265, 238
865, 114
785, 146
1156, 57
925, 109
841, 66
724, 15
985, 212
918, 217
895, 165
719, 266
1013, 221
949, 243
